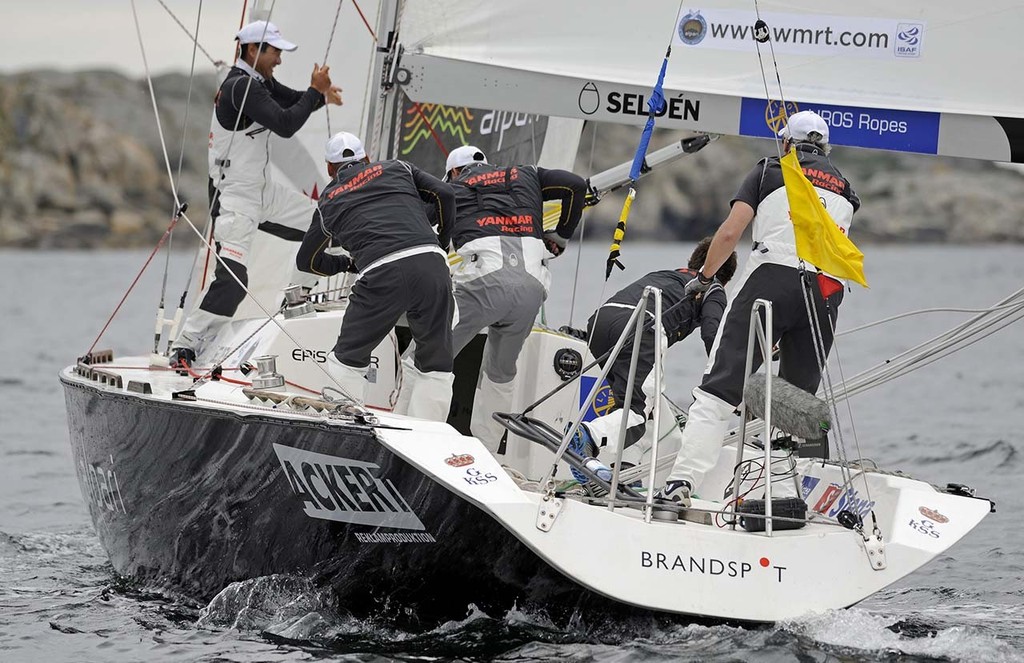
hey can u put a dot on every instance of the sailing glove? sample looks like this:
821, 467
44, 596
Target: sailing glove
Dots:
698, 285
555, 243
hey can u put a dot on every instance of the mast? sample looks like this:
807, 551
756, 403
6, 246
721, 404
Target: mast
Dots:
384, 104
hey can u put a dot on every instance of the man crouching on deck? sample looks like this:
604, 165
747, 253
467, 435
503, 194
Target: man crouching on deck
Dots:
375, 212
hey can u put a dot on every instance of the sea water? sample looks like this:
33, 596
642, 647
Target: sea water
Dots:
960, 419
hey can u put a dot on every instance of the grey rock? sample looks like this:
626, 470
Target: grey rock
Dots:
81, 165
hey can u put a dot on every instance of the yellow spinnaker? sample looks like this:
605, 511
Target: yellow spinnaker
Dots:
819, 240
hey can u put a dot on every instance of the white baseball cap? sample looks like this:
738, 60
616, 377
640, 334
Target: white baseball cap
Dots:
463, 156
263, 32
344, 147
804, 123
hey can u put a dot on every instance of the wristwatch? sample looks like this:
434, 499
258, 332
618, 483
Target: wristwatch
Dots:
704, 280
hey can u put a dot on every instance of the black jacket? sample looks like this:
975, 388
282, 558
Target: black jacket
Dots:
766, 177
372, 210
705, 312
274, 105
509, 202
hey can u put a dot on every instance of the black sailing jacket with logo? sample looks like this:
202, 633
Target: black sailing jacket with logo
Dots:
372, 210
705, 313
509, 202
269, 103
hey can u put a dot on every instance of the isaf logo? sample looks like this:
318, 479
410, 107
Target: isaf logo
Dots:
908, 40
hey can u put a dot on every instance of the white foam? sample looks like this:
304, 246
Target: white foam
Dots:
859, 629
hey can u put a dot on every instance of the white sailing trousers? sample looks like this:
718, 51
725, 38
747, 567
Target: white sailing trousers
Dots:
425, 395
284, 212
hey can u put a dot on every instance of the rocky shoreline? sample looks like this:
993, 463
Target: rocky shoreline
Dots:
81, 167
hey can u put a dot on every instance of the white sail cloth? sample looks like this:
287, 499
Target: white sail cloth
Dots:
883, 74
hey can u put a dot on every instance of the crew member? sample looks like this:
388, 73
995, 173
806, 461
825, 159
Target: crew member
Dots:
376, 212
681, 315
250, 105
775, 273
502, 280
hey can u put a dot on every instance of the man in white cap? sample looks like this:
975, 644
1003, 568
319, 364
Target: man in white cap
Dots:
376, 212
249, 106
775, 273
502, 281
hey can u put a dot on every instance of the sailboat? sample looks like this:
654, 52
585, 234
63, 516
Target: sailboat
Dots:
259, 467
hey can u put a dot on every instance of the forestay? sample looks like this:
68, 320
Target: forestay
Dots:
913, 77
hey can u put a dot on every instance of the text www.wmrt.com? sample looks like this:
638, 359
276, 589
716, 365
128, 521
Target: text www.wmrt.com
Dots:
806, 34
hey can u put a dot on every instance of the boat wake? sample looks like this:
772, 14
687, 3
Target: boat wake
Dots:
911, 637
1002, 454
292, 612
279, 617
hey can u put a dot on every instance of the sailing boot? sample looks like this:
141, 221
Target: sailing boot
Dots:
490, 397
424, 395
350, 378
677, 492
582, 444
182, 359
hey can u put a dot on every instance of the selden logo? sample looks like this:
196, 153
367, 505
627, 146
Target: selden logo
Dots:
908, 40
345, 490
590, 99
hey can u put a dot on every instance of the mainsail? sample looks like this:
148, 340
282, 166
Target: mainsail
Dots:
914, 77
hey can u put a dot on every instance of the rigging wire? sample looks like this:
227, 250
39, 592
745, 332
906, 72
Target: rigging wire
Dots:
365, 22
330, 40
762, 34
156, 110
939, 347
181, 156
926, 310
761, 24
134, 282
183, 215
583, 229
215, 63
